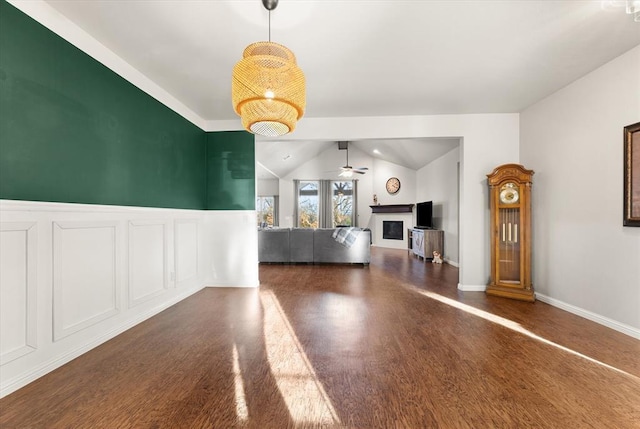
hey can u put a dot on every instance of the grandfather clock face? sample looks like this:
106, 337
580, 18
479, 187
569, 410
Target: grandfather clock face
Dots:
509, 193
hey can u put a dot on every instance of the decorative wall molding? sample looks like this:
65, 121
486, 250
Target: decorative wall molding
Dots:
18, 295
223, 253
186, 250
85, 275
47, 206
148, 261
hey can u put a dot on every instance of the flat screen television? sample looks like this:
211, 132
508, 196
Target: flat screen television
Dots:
424, 215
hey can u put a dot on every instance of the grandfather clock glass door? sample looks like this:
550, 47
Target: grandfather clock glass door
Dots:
509, 251
510, 189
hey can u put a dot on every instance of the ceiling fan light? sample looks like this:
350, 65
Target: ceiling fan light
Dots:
268, 88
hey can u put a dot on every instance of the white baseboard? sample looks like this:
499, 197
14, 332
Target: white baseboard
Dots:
452, 263
236, 285
609, 323
22, 380
472, 288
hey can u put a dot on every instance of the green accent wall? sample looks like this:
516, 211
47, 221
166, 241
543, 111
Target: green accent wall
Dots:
72, 130
231, 164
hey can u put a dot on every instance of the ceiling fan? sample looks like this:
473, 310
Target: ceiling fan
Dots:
347, 170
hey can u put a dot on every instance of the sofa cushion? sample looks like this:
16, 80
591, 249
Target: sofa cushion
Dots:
301, 245
327, 250
273, 245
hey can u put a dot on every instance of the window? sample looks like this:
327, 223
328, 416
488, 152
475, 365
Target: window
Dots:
342, 203
325, 203
267, 211
308, 204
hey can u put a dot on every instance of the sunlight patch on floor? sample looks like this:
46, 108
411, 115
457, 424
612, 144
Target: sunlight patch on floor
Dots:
513, 326
303, 393
241, 403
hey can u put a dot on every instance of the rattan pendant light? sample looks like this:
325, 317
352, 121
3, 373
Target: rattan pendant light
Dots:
268, 87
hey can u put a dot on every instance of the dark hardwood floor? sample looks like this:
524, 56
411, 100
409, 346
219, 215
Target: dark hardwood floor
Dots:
392, 345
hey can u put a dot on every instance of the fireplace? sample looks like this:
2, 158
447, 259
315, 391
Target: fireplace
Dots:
393, 230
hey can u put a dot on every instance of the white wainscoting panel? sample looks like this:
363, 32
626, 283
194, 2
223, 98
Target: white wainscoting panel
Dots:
186, 250
75, 275
18, 330
147, 260
232, 238
85, 280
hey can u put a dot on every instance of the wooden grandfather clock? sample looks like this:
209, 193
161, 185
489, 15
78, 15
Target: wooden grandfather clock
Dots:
510, 194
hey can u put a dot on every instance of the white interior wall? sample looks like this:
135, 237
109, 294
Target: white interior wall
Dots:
268, 187
583, 258
73, 276
381, 172
438, 182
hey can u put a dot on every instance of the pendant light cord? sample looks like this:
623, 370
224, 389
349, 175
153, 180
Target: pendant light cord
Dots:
270, 5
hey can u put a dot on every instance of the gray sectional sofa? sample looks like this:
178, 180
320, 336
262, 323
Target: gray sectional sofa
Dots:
317, 246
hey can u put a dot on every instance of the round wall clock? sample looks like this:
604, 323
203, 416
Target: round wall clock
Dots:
393, 185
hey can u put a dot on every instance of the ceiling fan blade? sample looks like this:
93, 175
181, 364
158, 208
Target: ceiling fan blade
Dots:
358, 172
361, 168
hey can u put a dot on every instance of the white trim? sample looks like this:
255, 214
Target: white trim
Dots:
472, 288
132, 301
452, 263
22, 380
231, 284
177, 269
61, 331
609, 323
31, 311
223, 125
47, 206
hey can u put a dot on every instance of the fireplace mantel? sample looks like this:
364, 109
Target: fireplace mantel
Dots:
392, 208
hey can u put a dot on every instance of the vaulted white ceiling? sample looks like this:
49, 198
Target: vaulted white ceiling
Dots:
277, 159
366, 58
